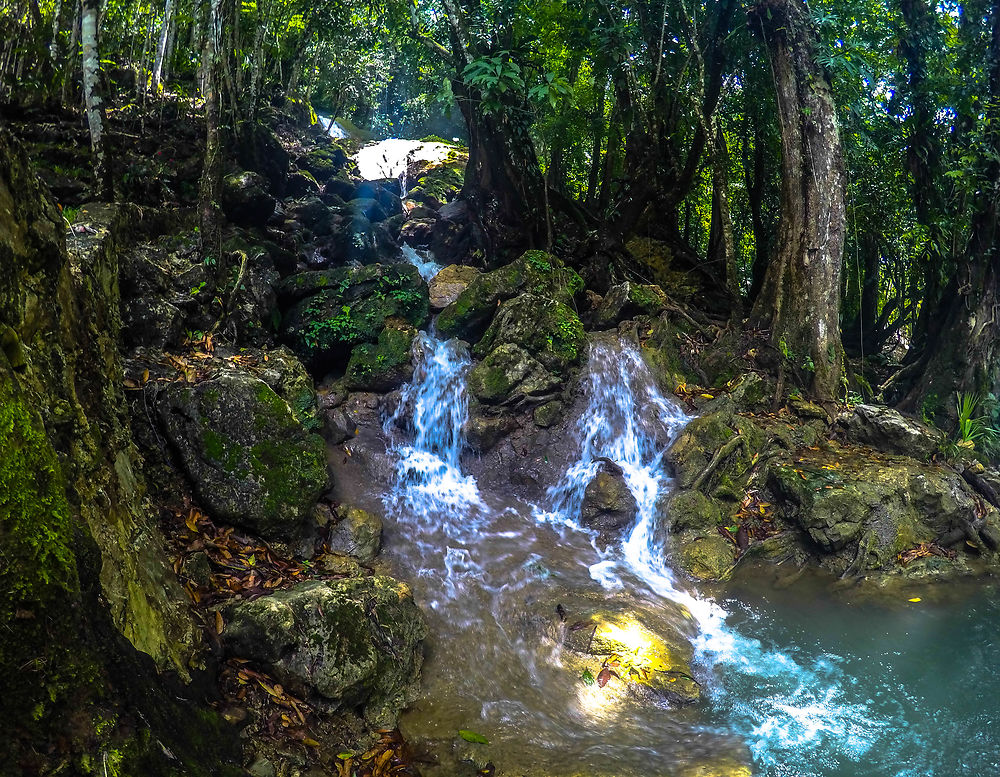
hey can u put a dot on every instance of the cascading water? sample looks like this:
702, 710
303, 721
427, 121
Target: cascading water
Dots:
484, 563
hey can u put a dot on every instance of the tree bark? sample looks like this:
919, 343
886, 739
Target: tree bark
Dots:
210, 188
161, 48
721, 243
93, 100
800, 299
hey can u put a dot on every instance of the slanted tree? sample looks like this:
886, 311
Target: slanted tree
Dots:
800, 299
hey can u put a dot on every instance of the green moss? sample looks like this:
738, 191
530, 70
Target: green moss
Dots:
286, 471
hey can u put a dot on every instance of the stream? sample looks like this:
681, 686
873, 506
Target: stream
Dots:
795, 682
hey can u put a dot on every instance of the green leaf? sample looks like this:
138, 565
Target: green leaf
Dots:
472, 736
587, 677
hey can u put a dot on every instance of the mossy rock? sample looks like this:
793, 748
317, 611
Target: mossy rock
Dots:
685, 510
702, 438
661, 352
509, 370
547, 329
344, 644
707, 557
323, 163
627, 300
357, 533
288, 378
385, 365
549, 414
248, 457
245, 199
840, 495
339, 309
534, 271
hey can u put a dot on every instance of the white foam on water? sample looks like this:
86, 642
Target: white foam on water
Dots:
424, 261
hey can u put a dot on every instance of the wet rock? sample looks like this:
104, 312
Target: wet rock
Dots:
418, 232
662, 355
608, 505
889, 430
627, 300
548, 330
549, 414
690, 510
313, 214
334, 310
484, 431
508, 370
248, 457
356, 533
703, 438
348, 643
385, 365
342, 187
535, 271
323, 163
245, 199
369, 208
449, 283
287, 376
708, 557
842, 497
259, 150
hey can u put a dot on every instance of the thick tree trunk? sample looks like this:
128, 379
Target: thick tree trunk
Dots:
721, 243
70, 67
161, 48
800, 299
93, 101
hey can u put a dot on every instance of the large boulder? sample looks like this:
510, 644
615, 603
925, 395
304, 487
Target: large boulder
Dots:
245, 199
841, 496
544, 327
535, 271
334, 310
608, 505
508, 371
386, 364
889, 430
249, 459
449, 283
626, 300
348, 643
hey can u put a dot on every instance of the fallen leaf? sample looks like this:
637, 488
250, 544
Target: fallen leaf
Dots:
587, 677
603, 677
220, 624
472, 736
308, 742
914, 599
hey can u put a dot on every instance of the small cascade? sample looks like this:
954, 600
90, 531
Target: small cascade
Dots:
426, 265
391, 158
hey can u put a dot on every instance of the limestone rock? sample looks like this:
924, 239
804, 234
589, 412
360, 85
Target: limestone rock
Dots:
547, 329
385, 365
357, 533
608, 505
248, 457
535, 271
890, 431
509, 370
708, 557
626, 300
351, 642
449, 283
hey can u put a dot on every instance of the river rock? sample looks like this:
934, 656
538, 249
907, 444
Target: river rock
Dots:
889, 430
708, 557
248, 457
357, 533
536, 271
702, 439
548, 330
608, 505
324, 163
385, 365
449, 283
509, 370
369, 208
348, 643
245, 199
334, 310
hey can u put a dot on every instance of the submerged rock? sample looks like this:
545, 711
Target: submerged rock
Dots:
608, 505
708, 557
249, 459
352, 642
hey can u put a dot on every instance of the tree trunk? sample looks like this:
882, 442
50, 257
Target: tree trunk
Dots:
70, 68
800, 299
211, 176
161, 48
721, 244
93, 101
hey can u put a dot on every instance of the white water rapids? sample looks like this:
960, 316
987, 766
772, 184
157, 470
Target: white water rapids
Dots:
479, 560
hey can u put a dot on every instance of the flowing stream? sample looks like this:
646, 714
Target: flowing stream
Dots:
797, 682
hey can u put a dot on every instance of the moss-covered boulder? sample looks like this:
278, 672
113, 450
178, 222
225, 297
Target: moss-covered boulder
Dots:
890, 431
707, 557
737, 438
660, 349
345, 644
386, 364
535, 271
547, 329
685, 510
608, 505
449, 283
840, 496
507, 371
627, 300
323, 163
334, 310
245, 199
248, 457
